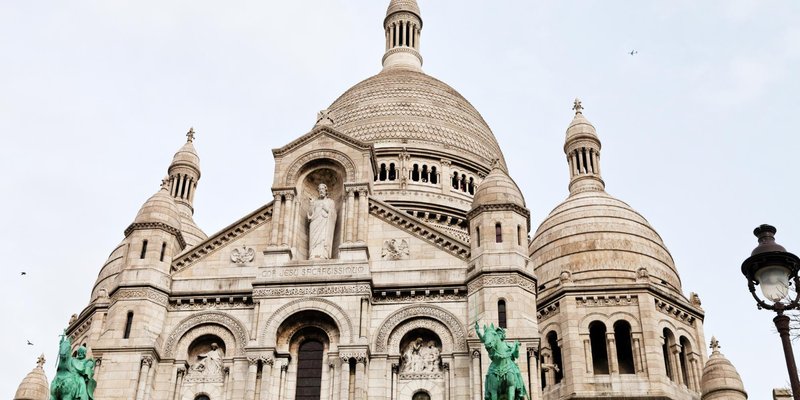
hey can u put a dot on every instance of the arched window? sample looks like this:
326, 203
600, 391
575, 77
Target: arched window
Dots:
309, 370
202, 397
454, 181
478, 236
382, 173
669, 340
501, 314
434, 176
471, 185
415, 173
144, 249
622, 337
128, 324
351, 392
424, 174
463, 183
552, 341
686, 349
597, 337
392, 172
421, 395
498, 233
163, 250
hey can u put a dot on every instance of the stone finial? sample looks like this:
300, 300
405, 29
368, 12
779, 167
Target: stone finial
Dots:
190, 135
165, 183
40, 361
715, 345
577, 106
324, 118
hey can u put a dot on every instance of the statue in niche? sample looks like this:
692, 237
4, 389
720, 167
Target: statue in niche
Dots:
210, 363
420, 357
322, 222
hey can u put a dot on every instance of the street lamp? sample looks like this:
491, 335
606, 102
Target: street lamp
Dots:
774, 270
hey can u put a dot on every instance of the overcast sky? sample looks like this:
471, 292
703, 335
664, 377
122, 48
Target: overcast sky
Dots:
698, 128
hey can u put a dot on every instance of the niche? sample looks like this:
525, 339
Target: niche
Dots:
420, 355
315, 173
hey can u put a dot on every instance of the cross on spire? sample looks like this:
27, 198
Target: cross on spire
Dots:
577, 106
190, 135
40, 361
715, 344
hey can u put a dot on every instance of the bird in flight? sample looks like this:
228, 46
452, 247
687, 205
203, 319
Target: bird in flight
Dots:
23, 273
29, 343
633, 52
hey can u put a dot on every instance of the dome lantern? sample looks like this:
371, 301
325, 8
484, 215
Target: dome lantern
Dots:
582, 147
402, 26
720, 378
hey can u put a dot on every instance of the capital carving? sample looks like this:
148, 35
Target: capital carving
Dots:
267, 360
446, 366
532, 352
147, 361
395, 368
226, 370
181, 370
285, 366
252, 360
476, 353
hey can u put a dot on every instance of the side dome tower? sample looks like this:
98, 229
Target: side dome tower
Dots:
432, 146
34, 386
610, 308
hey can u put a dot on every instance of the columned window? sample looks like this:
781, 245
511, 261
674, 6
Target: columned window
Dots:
597, 336
309, 370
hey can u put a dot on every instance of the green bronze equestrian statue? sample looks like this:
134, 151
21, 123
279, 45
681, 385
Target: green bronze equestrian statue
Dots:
504, 380
74, 375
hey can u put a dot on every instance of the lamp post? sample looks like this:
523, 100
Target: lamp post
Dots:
774, 269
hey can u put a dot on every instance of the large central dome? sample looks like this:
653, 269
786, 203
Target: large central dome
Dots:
405, 106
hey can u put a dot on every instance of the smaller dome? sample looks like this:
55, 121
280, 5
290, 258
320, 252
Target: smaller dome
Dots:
159, 208
403, 5
580, 128
498, 188
186, 156
34, 386
720, 378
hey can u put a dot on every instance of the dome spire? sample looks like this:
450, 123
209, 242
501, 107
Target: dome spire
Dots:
402, 26
582, 147
182, 176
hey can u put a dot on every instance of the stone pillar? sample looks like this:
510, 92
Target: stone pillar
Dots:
288, 229
333, 393
144, 373
395, 375
282, 380
446, 176
254, 321
587, 352
266, 378
250, 385
637, 355
344, 388
693, 372
364, 320
361, 378
180, 371
476, 375
611, 344
535, 388
446, 377
597, 162
350, 226
363, 214
226, 382
276, 220
675, 350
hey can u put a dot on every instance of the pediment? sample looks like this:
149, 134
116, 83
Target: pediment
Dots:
426, 232
252, 222
323, 131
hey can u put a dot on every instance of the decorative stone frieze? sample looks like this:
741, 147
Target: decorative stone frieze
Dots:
150, 294
544, 313
233, 325
308, 291
675, 312
448, 319
503, 280
603, 301
216, 303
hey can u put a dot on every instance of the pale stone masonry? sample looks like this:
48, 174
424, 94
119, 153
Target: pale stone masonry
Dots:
431, 235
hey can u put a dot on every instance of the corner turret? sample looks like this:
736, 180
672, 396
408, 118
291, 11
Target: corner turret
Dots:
34, 386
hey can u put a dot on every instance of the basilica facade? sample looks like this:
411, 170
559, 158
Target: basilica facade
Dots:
394, 228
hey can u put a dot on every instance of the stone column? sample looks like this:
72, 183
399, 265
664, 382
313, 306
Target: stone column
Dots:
282, 380
333, 393
288, 229
395, 375
533, 374
611, 344
637, 355
252, 370
597, 162
587, 351
180, 371
364, 320
276, 219
344, 389
350, 226
446, 176
266, 378
446, 377
363, 214
476, 375
144, 373
361, 377
675, 350
693, 372
226, 382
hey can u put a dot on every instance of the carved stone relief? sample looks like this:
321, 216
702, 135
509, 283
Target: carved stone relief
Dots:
394, 249
243, 255
421, 358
